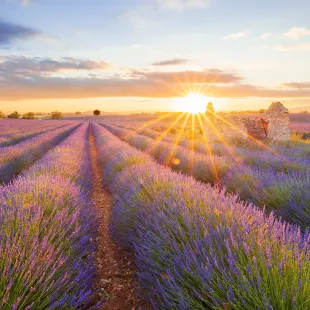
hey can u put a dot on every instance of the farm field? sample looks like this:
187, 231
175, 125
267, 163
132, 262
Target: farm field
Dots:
117, 212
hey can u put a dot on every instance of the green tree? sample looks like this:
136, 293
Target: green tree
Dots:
57, 115
14, 115
29, 115
97, 112
2, 115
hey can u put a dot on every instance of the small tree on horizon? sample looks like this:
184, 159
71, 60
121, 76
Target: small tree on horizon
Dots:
29, 115
78, 113
96, 112
14, 115
2, 115
56, 115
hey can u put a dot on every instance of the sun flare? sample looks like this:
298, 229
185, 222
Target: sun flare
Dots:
194, 103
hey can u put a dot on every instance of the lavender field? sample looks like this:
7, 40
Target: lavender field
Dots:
201, 224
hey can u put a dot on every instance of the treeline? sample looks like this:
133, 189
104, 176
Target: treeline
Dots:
31, 115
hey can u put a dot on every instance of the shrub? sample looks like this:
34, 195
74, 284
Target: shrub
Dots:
14, 115
57, 115
78, 113
29, 115
97, 112
2, 115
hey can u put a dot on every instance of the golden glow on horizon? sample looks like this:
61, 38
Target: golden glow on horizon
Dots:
193, 103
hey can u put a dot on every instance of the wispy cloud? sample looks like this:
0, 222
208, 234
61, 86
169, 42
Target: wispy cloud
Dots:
237, 35
265, 36
296, 33
184, 4
294, 47
137, 17
297, 85
26, 66
171, 62
10, 32
26, 2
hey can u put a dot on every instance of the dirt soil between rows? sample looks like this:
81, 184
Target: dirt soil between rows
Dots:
115, 266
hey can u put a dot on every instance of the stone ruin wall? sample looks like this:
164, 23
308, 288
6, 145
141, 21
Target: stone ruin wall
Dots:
275, 125
279, 122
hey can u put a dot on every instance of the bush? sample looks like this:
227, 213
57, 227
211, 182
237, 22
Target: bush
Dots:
57, 115
78, 113
29, 115
2, 115
14, 115
97, 112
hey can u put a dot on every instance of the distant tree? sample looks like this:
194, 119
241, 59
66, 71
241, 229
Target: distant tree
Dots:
29, 115
14, 115
97, 112
78, 113
2, 115
261, 111
305, 111
57, 115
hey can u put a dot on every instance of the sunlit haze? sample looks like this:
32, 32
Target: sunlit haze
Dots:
138, 55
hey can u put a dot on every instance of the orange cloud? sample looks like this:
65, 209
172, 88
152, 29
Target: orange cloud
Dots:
74, 88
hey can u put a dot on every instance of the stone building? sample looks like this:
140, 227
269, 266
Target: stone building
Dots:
274, 125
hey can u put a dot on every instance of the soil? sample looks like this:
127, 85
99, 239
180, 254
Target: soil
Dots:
115, 266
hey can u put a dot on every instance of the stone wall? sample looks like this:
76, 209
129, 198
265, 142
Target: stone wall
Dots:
256, 128
278, 122
275, 125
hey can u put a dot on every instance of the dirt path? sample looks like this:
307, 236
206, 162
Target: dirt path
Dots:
115, 267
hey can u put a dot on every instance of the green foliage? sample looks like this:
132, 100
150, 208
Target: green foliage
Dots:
56, 115
29, 115
14, 115
2, 115
97, 112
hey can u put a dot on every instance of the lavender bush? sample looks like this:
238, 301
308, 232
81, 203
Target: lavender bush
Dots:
196, 246
284, 191
47, 226
20, 156
19, 136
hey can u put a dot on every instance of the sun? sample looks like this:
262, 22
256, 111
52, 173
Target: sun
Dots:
194, 103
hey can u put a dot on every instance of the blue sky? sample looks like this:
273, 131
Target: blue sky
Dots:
141, 55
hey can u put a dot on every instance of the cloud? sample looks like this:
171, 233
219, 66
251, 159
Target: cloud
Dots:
188, 77
265, 36
184, 4
20, 65
294, 47
76, 88
137, 17
237, 35
171, 62
297, 85
296, 33
26, 2
10, 32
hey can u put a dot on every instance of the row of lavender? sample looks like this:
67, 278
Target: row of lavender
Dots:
47, 231
14, 159
282, 157
197, 247
14, 137
286, 194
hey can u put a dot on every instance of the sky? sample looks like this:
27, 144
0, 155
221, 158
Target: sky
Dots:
143, 55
